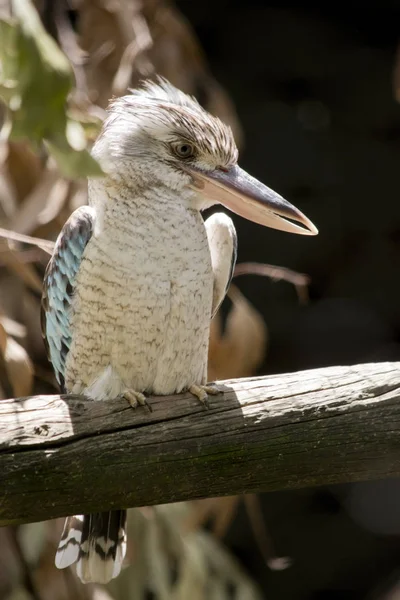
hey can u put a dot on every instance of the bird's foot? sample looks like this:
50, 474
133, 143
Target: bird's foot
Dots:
201, 392
135, 399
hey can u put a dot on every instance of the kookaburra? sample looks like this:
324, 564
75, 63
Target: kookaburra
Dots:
137, 275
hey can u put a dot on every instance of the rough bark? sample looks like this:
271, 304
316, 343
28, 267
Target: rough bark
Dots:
63, 455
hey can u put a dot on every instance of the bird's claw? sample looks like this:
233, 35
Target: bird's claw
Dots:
135, 399
201, 392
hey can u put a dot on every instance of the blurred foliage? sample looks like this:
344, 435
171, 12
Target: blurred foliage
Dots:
35, 80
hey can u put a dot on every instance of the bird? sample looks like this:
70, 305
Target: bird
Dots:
137, 274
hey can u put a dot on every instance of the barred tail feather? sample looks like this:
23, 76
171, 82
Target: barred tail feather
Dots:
68, 548
96, 542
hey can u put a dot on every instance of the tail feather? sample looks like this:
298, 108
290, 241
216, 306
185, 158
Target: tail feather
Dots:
97, 542
68, 548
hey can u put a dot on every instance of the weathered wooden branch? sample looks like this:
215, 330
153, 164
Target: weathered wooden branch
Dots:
64, 455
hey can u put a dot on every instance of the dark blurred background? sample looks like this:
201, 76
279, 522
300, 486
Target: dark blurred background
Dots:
315, 88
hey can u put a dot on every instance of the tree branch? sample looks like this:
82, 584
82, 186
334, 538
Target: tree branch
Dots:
64, 455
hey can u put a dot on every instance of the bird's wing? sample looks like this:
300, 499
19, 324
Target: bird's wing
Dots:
223, 249
58, 287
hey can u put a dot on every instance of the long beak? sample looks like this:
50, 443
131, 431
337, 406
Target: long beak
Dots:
249, 198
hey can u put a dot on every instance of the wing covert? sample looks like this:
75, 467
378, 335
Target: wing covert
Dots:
58, 286
222, 242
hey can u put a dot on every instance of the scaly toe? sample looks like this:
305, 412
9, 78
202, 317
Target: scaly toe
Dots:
201, 392
213, 389
135, 399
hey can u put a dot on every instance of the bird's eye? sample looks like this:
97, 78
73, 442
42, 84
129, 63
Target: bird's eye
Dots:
183, 150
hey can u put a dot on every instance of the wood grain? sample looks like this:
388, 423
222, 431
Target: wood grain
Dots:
64, 455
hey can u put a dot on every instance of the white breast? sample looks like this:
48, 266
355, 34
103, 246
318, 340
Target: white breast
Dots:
142, 305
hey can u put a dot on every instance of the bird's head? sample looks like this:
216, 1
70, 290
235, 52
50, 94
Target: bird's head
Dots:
159, 136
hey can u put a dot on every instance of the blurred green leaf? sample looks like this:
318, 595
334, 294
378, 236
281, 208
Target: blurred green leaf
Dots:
35, 80
73, 163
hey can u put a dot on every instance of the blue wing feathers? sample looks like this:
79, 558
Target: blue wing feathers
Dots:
58, 287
